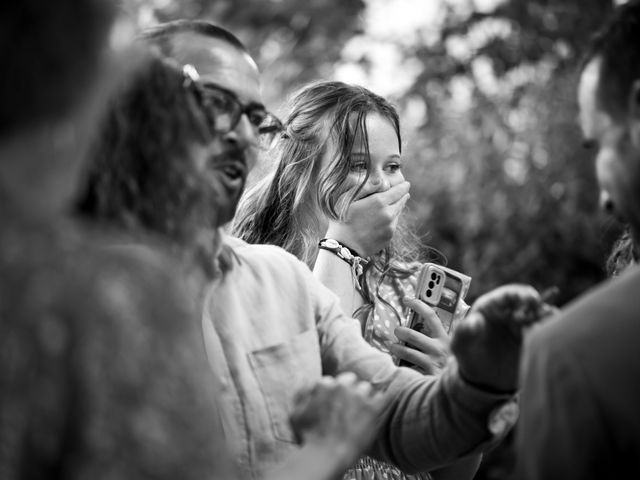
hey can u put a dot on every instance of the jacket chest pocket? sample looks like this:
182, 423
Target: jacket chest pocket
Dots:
282, 370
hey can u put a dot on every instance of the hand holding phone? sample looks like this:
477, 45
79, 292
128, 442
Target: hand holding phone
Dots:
425, 348
442, 289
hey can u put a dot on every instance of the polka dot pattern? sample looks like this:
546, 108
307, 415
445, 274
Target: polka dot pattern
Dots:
379, 324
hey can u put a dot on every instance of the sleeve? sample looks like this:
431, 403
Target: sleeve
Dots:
427, 421
561, 432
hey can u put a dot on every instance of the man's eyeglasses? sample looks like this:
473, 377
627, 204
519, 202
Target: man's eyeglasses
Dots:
226, 109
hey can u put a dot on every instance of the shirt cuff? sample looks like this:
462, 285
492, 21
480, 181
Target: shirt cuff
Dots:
500, 410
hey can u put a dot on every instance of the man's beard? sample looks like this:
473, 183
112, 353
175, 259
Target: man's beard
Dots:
228, 177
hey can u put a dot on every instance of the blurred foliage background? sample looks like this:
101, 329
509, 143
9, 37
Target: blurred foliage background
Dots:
486, 90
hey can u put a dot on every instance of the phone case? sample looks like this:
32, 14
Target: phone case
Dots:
443, 288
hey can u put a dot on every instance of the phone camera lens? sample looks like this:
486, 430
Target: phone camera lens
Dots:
433, 275
428, 293
431, 284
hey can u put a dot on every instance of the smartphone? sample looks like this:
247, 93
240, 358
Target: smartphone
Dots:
443, 288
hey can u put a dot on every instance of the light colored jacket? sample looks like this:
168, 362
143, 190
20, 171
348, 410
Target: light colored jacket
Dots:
271, 328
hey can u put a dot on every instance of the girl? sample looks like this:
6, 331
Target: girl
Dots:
334, 201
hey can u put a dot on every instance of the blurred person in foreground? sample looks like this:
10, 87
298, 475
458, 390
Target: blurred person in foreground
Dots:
83, 393
103, 372
581, 371
272, 328
150, 180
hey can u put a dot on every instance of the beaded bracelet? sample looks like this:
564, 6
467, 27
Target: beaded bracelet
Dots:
355, 261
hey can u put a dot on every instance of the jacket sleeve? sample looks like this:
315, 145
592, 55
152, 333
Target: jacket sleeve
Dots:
428, 421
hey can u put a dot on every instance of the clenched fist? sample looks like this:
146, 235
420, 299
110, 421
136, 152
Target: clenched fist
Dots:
488, 342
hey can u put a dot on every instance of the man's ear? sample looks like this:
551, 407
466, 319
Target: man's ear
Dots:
634, 113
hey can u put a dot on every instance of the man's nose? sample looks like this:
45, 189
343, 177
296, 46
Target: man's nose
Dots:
606, 202
243, 136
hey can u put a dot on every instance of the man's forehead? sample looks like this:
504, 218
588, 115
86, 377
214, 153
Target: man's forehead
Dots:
219, 62
590, 113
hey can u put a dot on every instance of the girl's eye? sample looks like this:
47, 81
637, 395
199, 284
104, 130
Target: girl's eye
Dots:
394, 167
358, 166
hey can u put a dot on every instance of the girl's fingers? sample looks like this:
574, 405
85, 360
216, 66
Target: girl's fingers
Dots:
414, 357
432, 324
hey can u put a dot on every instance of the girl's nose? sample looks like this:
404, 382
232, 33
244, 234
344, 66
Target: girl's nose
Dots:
381, 182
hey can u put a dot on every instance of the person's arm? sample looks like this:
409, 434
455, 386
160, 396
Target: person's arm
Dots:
430, 353
427, 422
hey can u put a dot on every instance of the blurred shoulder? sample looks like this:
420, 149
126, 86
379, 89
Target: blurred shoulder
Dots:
606, 315
264, 254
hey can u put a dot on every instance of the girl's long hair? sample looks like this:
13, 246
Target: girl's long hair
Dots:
287, 207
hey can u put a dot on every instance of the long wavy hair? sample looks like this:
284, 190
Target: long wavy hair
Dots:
290, 206
624, 252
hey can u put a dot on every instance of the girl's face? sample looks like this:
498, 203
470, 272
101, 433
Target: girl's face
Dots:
384, 165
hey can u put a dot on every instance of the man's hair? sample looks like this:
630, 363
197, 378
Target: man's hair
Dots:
140, 177
163, 35
49, 51
618, 46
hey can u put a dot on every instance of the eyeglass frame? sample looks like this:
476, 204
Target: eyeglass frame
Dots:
192, 78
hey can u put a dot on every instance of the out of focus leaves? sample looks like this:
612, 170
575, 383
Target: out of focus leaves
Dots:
501, 185
499, 181
293, 42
